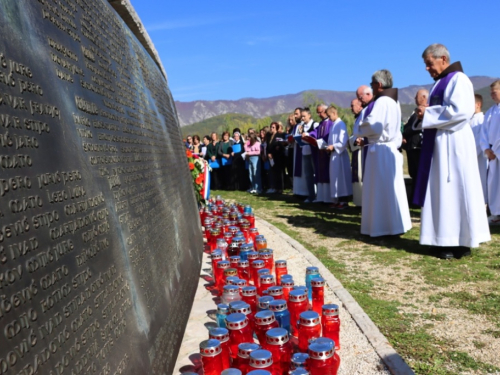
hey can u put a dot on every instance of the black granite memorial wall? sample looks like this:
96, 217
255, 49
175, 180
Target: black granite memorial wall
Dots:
99, 239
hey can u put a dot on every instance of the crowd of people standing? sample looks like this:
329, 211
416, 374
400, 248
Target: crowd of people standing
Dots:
454, 180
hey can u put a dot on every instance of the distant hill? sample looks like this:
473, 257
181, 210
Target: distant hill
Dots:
199, 110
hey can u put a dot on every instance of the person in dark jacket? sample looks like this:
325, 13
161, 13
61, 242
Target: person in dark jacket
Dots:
212, 157
225, 153
276, 156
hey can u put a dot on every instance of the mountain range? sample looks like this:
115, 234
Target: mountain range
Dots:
199, 110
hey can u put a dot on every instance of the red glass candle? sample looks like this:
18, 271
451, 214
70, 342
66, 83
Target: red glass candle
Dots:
280, 267
245, 228
219, 274
330, 322
309, 329
251, 220
218, 200
216, 257
267, 256
297, 304
244, 270
266, 281
214, 234
264, 321
242, 361
249, 295
243, 308
276, 292
222, 334
262, 360
252, 255
233, 230
278, 343
239, 331
228, 272
322, 359
318, 294
287, 286
256, 266
211, 358
263, 303
234, 261
253, 233
228, 237
240, 283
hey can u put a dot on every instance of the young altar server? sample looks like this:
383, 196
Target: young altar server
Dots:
490, 144
476, 123
385, 205
340, 169
448, 186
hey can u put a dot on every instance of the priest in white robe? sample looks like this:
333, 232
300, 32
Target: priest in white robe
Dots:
490, 141
448, 186
385, 206
476, 123
340, 169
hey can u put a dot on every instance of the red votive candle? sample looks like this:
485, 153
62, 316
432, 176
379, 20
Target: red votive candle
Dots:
211, 358
239, 331
265, 282
330, 322
256, 266
267, 256
242, 361
244, 270
264, 321
287, 285
278, 343
249, 295
262, 360
280, 268
318, 294
297, 304
222, 334
309, 329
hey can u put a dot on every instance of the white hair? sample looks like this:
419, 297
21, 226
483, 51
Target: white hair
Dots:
384, 77
368, 90
436, 50
322, 106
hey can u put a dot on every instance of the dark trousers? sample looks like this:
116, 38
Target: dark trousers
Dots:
413, 156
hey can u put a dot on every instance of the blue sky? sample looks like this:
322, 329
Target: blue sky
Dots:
223, 49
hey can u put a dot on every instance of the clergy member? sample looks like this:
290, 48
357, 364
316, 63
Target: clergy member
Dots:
476, 123
340, 170
365, 96
490, 144
308, 125
448, 186
321, 156
299, 180
385, 206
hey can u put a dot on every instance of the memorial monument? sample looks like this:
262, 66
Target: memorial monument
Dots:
99, 249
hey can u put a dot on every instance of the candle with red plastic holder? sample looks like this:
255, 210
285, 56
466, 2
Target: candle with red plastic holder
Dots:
249, 295
276, 292
268, 257
287, 285
244, 271
221, 266
330, 322
239, 331
281, 269
264, 321
211, 358
222, 334
309, 328
256, 265
265, 282
234, 259
318, 294
242, 360
297, 304
278, 343
253, 233
323, 359
263, 302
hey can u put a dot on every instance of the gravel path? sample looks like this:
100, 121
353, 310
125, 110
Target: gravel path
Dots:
358, 354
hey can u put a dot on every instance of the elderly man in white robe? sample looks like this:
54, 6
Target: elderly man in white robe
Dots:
340, 170
385, 205
490, 144
448, 186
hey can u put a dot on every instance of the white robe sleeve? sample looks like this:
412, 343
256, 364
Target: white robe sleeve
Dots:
484, 140
457, 108
372, 125
341, 140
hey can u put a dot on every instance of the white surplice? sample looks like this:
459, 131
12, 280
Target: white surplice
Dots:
453, 213
385, 205
340, 169
299, 183
476, 123
357, 187
490, 134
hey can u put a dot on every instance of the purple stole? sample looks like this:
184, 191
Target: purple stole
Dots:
321, 158
297, 154
428, 141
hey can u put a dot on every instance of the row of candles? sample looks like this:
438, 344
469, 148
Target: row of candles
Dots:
260, 302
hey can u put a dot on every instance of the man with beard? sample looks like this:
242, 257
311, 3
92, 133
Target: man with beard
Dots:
412, 139
385, 206
448, 186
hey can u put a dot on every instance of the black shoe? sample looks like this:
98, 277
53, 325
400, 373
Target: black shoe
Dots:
444, 254
461, 251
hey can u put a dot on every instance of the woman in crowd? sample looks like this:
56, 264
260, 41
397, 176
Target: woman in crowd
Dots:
238, 171
196, 148
289, 153
212, 158
225, 152
206, 142
252, 150
263, 158
275, 155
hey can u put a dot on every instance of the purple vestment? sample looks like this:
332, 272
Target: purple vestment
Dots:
321, 157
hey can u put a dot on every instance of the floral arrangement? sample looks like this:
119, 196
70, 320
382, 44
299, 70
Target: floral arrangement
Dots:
197, 167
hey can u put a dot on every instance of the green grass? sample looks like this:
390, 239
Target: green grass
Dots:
425, 353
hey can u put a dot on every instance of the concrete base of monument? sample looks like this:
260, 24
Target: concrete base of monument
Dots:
364, 350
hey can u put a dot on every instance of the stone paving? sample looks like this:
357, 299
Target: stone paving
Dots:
364, 350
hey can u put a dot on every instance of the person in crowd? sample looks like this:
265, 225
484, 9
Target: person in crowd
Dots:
385, 206
365, 96
238, 171
490, 144
308, 125
263, 156
476, 123
412, 139
321, 157
212, 157
206, 142
448, 186
252, 151
289, 152
339, 169
275, 154
356, 161
196, 149
225, 153
299, 179
189, 142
